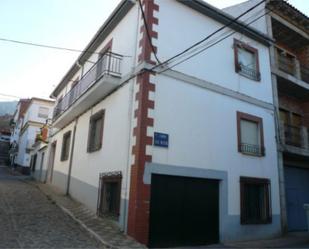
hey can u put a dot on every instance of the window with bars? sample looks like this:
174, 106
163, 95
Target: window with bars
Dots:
65, 150
246, 60
255, 201
95, 136
250, 134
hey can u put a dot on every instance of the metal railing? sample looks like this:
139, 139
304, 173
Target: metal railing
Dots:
292, 66
252, 149
287, 64
304, 73
108, 64
252, 73
293, 135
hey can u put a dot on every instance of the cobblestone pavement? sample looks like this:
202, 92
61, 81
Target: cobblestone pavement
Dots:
28, 219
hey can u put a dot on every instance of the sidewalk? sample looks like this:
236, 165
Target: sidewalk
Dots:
291, 240
103, 230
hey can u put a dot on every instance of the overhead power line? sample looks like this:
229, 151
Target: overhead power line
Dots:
210, 35
147, 31
211, 45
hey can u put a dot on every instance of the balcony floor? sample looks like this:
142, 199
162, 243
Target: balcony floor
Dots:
94, 94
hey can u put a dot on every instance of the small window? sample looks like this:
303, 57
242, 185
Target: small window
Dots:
255, 200
43, 112
109, 194
65, 151
246, 60
250, 134
96, 131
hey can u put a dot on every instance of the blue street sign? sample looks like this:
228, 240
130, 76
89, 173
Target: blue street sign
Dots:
160, 140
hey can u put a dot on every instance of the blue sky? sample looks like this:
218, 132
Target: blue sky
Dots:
31, 71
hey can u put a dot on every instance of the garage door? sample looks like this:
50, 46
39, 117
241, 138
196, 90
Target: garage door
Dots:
183, 211
297, 193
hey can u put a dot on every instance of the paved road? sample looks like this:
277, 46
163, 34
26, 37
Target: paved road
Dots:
29, 220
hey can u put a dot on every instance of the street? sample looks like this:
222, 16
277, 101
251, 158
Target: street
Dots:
30, 220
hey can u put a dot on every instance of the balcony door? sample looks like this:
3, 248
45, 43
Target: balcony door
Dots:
292, 127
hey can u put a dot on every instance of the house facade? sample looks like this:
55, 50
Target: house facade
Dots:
290, 79
34, 117
177, 153
16, 125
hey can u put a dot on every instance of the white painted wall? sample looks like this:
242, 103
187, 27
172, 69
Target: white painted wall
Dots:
32, 123
124, 38
32, 113
26, 140
202, 130
258, 12
216, 64
114, 154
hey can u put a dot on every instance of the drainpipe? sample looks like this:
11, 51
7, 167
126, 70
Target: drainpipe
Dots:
71, 158
131, 107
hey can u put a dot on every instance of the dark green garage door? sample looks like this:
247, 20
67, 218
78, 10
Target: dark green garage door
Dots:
184, 211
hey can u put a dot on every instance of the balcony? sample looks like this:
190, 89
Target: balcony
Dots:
293, 67
101, 79
295, 139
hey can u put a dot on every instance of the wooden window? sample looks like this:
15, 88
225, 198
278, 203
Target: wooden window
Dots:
43, 112
65, 150
95, 136
109, 194
255, 200
246, 60
250, 134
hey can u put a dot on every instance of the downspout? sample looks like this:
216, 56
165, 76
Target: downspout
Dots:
71, 158
125, 215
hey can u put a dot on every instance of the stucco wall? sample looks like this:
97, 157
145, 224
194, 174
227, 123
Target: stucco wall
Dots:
216, 64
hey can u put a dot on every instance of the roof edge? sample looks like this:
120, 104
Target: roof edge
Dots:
224, 18
112, 21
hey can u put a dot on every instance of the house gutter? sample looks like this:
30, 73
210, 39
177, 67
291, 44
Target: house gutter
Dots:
71, 158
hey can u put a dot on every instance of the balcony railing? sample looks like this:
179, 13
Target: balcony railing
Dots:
108, 64
292, 66
252, 149
293, 135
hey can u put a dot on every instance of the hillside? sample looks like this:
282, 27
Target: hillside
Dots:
7, 107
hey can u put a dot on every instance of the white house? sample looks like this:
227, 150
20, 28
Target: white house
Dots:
16, 125
290, 78
35, 116
176, 154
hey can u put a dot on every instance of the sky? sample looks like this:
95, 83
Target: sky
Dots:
28, 71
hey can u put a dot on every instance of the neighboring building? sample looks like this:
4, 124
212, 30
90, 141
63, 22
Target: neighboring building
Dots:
290, 78
38, 161
16, 124
37, 113
181, 156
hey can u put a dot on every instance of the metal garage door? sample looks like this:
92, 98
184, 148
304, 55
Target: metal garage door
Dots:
183, 211
297, 193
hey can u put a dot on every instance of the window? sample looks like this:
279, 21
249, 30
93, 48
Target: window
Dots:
255, 200
109, 194
65, 151
246, 60
96, 131
250, 134
43, 112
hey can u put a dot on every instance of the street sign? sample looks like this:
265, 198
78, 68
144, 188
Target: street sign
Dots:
160, 139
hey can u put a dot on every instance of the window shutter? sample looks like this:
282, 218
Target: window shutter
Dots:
249, 132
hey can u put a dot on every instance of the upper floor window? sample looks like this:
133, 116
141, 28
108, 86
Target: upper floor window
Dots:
43, 112
250, 134
95, 134
255, 200
246, 60
65, 150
